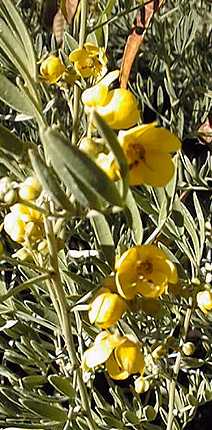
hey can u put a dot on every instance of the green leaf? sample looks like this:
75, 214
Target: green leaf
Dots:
162, 213
17, 25
201, 222
11, 95
49, 181
78, 171
134, 218
191, 229
63, 385
113, 143
33, 381
103, 236
46, 410
70, 42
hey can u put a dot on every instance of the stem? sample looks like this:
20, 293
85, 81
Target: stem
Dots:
176, 369
62, 308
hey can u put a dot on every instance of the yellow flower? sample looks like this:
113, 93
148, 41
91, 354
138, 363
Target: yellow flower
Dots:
147, 149
52, 69
30, 188
204, 301
106, 308
121, 355
89, 60
144, 269
118, 107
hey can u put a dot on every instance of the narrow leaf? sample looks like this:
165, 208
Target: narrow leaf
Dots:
134, 218
49, 181
22, 32
45, 410
113, 143
104, 236
13, 97
74, 166
62, 384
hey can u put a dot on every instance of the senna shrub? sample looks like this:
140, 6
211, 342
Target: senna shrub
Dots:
105, 229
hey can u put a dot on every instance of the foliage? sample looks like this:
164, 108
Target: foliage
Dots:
53, 272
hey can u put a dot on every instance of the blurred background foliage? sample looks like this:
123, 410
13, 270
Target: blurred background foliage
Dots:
172, 79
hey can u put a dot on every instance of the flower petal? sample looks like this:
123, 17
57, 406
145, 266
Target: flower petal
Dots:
151, 137
152, 288
114, 370
129, 357
156, 170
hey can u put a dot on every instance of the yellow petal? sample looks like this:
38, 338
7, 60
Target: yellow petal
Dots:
152, 288
152, 138
114, 370
121, 111
106, 309
77, 55
95, 96
126, 276
96, 355
155, 170
129, 357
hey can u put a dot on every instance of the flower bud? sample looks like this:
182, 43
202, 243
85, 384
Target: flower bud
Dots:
52, 69
159, 352
141, 385
106, 309
30, 189
14, 227
89, 146
204, 301
10, 197
188, 348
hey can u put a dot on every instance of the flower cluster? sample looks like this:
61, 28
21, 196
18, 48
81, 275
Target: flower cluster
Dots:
23, 223
88, 61
143, 270
147, 147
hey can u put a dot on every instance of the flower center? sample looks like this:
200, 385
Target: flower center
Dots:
135, 153
144, 269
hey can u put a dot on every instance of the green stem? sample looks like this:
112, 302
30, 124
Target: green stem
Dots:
176, 369
62, 308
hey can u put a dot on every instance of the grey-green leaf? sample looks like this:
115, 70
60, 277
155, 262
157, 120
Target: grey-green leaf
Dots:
49, 181
46, 410
75, 168
104, 236
13, 97
63, 385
